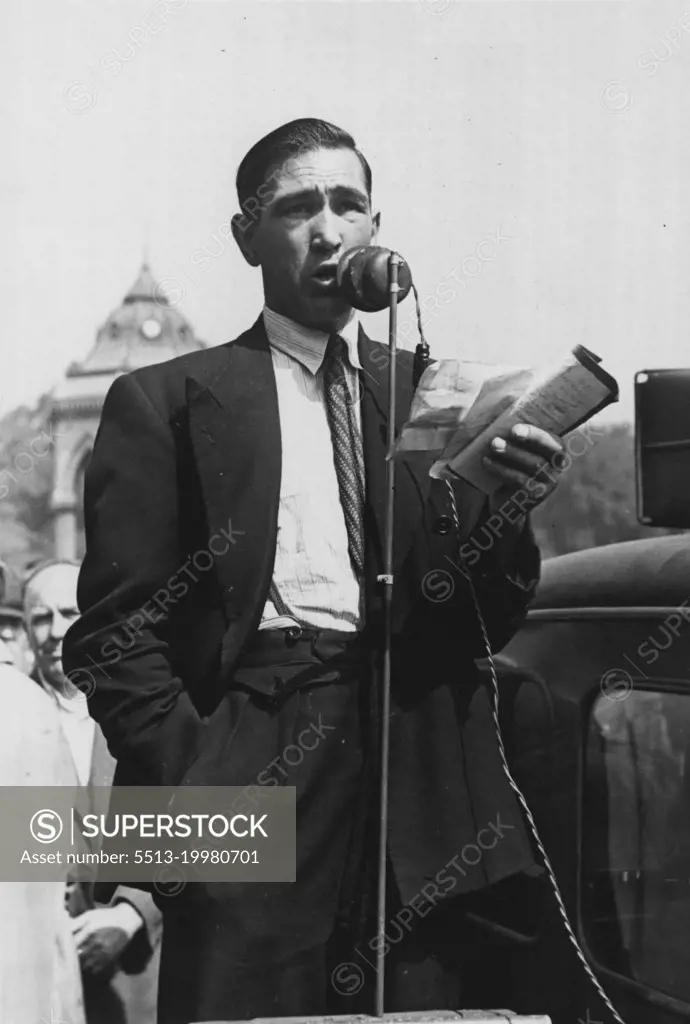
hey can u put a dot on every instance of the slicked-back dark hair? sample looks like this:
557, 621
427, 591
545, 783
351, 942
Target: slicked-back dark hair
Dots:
301, 136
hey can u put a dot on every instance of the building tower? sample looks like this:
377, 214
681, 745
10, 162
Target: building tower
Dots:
144, 329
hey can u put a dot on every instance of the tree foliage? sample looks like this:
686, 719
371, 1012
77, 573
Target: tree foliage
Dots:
595, 501
26, 473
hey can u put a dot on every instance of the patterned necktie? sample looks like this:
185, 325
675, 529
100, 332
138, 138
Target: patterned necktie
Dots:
347, 446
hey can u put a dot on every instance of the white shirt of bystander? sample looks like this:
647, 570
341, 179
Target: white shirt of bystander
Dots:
39, 968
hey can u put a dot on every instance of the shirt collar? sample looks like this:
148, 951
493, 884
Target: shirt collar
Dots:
74, 702
307, 345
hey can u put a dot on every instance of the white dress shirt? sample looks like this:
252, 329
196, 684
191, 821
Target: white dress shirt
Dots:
313, 572
78, 729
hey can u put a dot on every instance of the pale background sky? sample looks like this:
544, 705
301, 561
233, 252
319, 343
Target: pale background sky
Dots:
552, 121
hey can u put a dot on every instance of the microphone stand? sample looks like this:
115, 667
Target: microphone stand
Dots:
386, 580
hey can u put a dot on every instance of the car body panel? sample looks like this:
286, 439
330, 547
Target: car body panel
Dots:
594, 716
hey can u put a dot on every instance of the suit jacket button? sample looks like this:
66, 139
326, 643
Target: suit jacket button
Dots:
443, 525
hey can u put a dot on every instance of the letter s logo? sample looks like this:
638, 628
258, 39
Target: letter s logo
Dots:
438, 585
46, 826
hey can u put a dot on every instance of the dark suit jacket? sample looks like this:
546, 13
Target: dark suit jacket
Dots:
188, 454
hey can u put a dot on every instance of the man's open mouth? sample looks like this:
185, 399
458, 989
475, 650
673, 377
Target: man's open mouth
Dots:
325, 275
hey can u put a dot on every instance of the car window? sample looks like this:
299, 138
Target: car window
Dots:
635, 890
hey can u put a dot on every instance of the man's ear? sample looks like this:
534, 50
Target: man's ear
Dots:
242, 231
376, 224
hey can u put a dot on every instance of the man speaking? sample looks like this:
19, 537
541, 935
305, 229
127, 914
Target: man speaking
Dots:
235, 508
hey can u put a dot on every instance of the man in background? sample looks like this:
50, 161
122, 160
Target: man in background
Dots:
39, 969
117, 944
12, 635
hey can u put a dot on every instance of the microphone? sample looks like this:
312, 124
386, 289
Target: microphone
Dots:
362, 277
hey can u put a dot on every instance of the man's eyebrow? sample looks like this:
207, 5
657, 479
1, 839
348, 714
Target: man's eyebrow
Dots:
300, 195
311, 193
349, 192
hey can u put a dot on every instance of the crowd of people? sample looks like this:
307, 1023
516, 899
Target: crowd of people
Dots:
66, 957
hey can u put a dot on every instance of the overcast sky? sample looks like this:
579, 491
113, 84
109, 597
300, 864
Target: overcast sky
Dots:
563, 127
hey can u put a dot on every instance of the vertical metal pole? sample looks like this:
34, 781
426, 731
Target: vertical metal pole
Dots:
387, 580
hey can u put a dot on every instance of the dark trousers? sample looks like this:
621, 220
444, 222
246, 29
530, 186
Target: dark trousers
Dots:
298, 713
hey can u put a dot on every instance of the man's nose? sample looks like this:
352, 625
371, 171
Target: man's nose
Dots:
59, 626
326, 231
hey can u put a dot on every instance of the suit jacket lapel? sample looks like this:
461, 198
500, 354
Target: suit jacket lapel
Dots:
235, 434
412, 481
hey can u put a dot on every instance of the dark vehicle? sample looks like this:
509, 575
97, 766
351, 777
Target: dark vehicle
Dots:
595, 716
595, 713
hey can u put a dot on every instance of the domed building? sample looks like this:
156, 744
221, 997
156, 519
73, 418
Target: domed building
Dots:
144, 329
